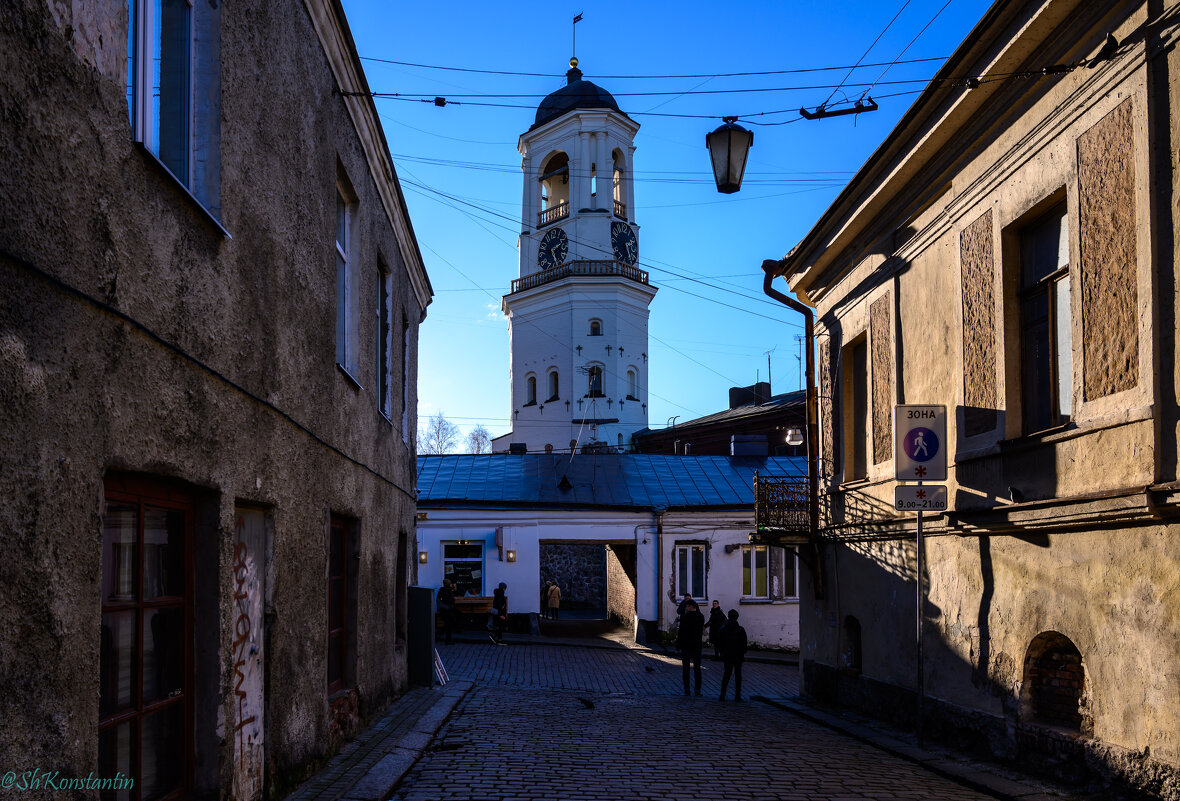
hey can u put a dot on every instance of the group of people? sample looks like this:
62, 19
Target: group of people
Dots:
497, 617
550, 600
726, 636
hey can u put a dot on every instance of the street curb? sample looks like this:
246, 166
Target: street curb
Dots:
969, 775
384, 777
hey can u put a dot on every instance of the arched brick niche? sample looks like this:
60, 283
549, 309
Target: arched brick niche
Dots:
1054, 690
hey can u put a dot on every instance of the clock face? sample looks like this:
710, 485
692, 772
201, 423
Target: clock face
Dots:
553, 249
626, 246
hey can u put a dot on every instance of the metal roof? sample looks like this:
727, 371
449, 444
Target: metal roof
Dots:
624, 481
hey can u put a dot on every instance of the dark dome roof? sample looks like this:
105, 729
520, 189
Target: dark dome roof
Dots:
575, 94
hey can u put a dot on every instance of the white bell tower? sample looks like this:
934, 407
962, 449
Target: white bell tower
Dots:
577, 315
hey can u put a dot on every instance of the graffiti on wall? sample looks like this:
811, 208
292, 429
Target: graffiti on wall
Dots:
249, 543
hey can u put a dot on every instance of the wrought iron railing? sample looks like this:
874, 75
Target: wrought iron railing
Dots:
620, 209
553, 214
781, 507
580, 268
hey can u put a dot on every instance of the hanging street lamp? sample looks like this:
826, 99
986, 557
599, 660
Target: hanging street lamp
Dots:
728, 147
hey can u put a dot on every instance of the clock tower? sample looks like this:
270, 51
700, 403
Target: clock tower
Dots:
577, 313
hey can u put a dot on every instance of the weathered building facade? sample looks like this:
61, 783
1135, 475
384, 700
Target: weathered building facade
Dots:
209, 306
1010, 252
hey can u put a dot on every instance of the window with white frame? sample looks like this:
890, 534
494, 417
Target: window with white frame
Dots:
690, 570
405, 379
768, 573
463, 565
343, 280
174, 91
385, 340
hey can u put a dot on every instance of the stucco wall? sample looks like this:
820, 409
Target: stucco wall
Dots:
1061, 531
136, 337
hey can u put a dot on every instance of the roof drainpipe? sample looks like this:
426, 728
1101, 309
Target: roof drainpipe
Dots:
659, 515
770, 268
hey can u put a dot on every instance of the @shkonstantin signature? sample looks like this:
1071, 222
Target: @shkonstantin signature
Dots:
54, 780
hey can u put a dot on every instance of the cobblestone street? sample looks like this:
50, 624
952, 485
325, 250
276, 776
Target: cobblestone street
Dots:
570, 723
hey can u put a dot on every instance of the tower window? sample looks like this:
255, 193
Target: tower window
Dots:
594, 372
553, 386
530, 390
620, 201
596, 328
632, 385
555, 189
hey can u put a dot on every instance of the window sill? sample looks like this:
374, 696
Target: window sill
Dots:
526, 405
554, 398
352, 379
205, 212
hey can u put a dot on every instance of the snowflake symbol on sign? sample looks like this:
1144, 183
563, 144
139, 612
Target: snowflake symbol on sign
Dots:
921, 494
920, 471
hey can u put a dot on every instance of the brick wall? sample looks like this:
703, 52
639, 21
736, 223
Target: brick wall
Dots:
620, 582
580, 571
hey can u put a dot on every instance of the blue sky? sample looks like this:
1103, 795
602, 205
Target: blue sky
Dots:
710, 326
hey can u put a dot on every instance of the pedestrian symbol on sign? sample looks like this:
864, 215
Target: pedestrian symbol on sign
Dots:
921, 444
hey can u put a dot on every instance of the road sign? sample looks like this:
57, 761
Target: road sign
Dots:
918, 498
919, 443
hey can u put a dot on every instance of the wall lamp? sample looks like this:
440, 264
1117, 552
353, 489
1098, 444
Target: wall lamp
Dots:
510, 556
422, 557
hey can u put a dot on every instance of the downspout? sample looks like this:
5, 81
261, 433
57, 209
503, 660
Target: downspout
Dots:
769, 269
659, 585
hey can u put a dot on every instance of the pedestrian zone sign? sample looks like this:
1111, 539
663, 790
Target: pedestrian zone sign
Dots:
919, 498
919, 443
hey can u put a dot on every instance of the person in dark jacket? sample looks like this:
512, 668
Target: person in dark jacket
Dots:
716, 623
446, 609
733, 652
499, 614
688, 640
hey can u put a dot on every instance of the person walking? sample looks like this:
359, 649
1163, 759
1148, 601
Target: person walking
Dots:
446, 609
688, 640
716, 623
499, 614
733, 652
554, 601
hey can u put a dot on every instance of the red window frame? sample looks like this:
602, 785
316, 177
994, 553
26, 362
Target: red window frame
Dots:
140, 495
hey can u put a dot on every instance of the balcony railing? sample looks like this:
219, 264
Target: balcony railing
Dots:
781, 511
620, 209
580, 268
552, 215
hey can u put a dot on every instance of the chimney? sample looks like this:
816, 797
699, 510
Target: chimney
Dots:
757, 394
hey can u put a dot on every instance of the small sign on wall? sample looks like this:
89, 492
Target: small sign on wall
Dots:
919, 446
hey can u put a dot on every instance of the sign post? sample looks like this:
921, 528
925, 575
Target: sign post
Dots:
919, 454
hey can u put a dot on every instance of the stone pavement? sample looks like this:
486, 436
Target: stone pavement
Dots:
566, 722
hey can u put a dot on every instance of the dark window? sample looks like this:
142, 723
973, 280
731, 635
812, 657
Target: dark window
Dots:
145, 668
553, 387
530, 390
595, 328
1046, 357
342, 551
595, 381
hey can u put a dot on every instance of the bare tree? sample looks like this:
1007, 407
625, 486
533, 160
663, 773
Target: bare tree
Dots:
439, 436
479, 440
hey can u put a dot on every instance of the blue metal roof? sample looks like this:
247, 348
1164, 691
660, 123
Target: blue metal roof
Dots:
625, 481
